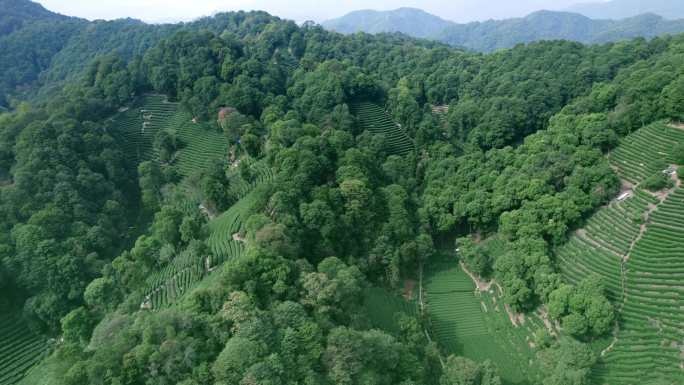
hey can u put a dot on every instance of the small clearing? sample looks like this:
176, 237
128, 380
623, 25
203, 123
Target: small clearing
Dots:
678, 125
409, 287
551, 326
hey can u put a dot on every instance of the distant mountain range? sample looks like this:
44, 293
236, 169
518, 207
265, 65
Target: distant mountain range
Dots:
410, 21
495, 34
620, 9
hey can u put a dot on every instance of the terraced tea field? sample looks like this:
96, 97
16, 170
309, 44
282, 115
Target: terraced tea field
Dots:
476, 325
200, 143
646, 151
20, 349
637, 246
136, 127
384, 308
224, 239
374, 119
602, 245
170, 284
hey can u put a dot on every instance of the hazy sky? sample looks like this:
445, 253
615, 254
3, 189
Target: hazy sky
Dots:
299, 10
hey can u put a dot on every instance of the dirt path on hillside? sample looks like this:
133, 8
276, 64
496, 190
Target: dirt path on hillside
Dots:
516, 319
678, 125
662, 197
239, 238
675, 176
480, 284
409, 287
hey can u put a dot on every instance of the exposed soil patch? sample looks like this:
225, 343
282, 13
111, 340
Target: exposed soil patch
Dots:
206, 211
440, 109
550, 326
626, 190
238, 237
480, 284
517, 319
675, 177
678, 125
611, 346
477, 237
661, 195
409, 287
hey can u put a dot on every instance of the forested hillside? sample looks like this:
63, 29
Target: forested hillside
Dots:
619, 9
491, 35
41, 51
17, 13
242, 200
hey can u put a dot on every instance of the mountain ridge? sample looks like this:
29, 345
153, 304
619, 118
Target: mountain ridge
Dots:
621, 9
490, 35
18, 12
420, 24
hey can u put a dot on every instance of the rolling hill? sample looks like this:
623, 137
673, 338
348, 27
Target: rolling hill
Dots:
410, 21
496, 34
619, 9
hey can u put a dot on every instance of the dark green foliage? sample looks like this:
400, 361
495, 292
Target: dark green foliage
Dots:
584, 309
678, 154
475, 257
67, 196
165, 145
150, 179
215, 185
566, 362
657, 182
23, 56
16, 13
462, 371
338, 210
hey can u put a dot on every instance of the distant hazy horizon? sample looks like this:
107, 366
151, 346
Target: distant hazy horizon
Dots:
298, 10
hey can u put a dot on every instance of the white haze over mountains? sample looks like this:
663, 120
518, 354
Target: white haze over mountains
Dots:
299, 10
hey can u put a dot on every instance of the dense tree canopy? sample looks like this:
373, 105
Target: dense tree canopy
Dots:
518, 155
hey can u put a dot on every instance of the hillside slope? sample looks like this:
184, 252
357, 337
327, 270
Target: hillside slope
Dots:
634, 244
619, 9
496, 34
410, 21
15, 13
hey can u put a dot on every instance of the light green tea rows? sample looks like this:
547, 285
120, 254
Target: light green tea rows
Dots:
374, 119
475, 325
637, 247
20, 349
199, 143
168, 285
645, 152
601, 246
